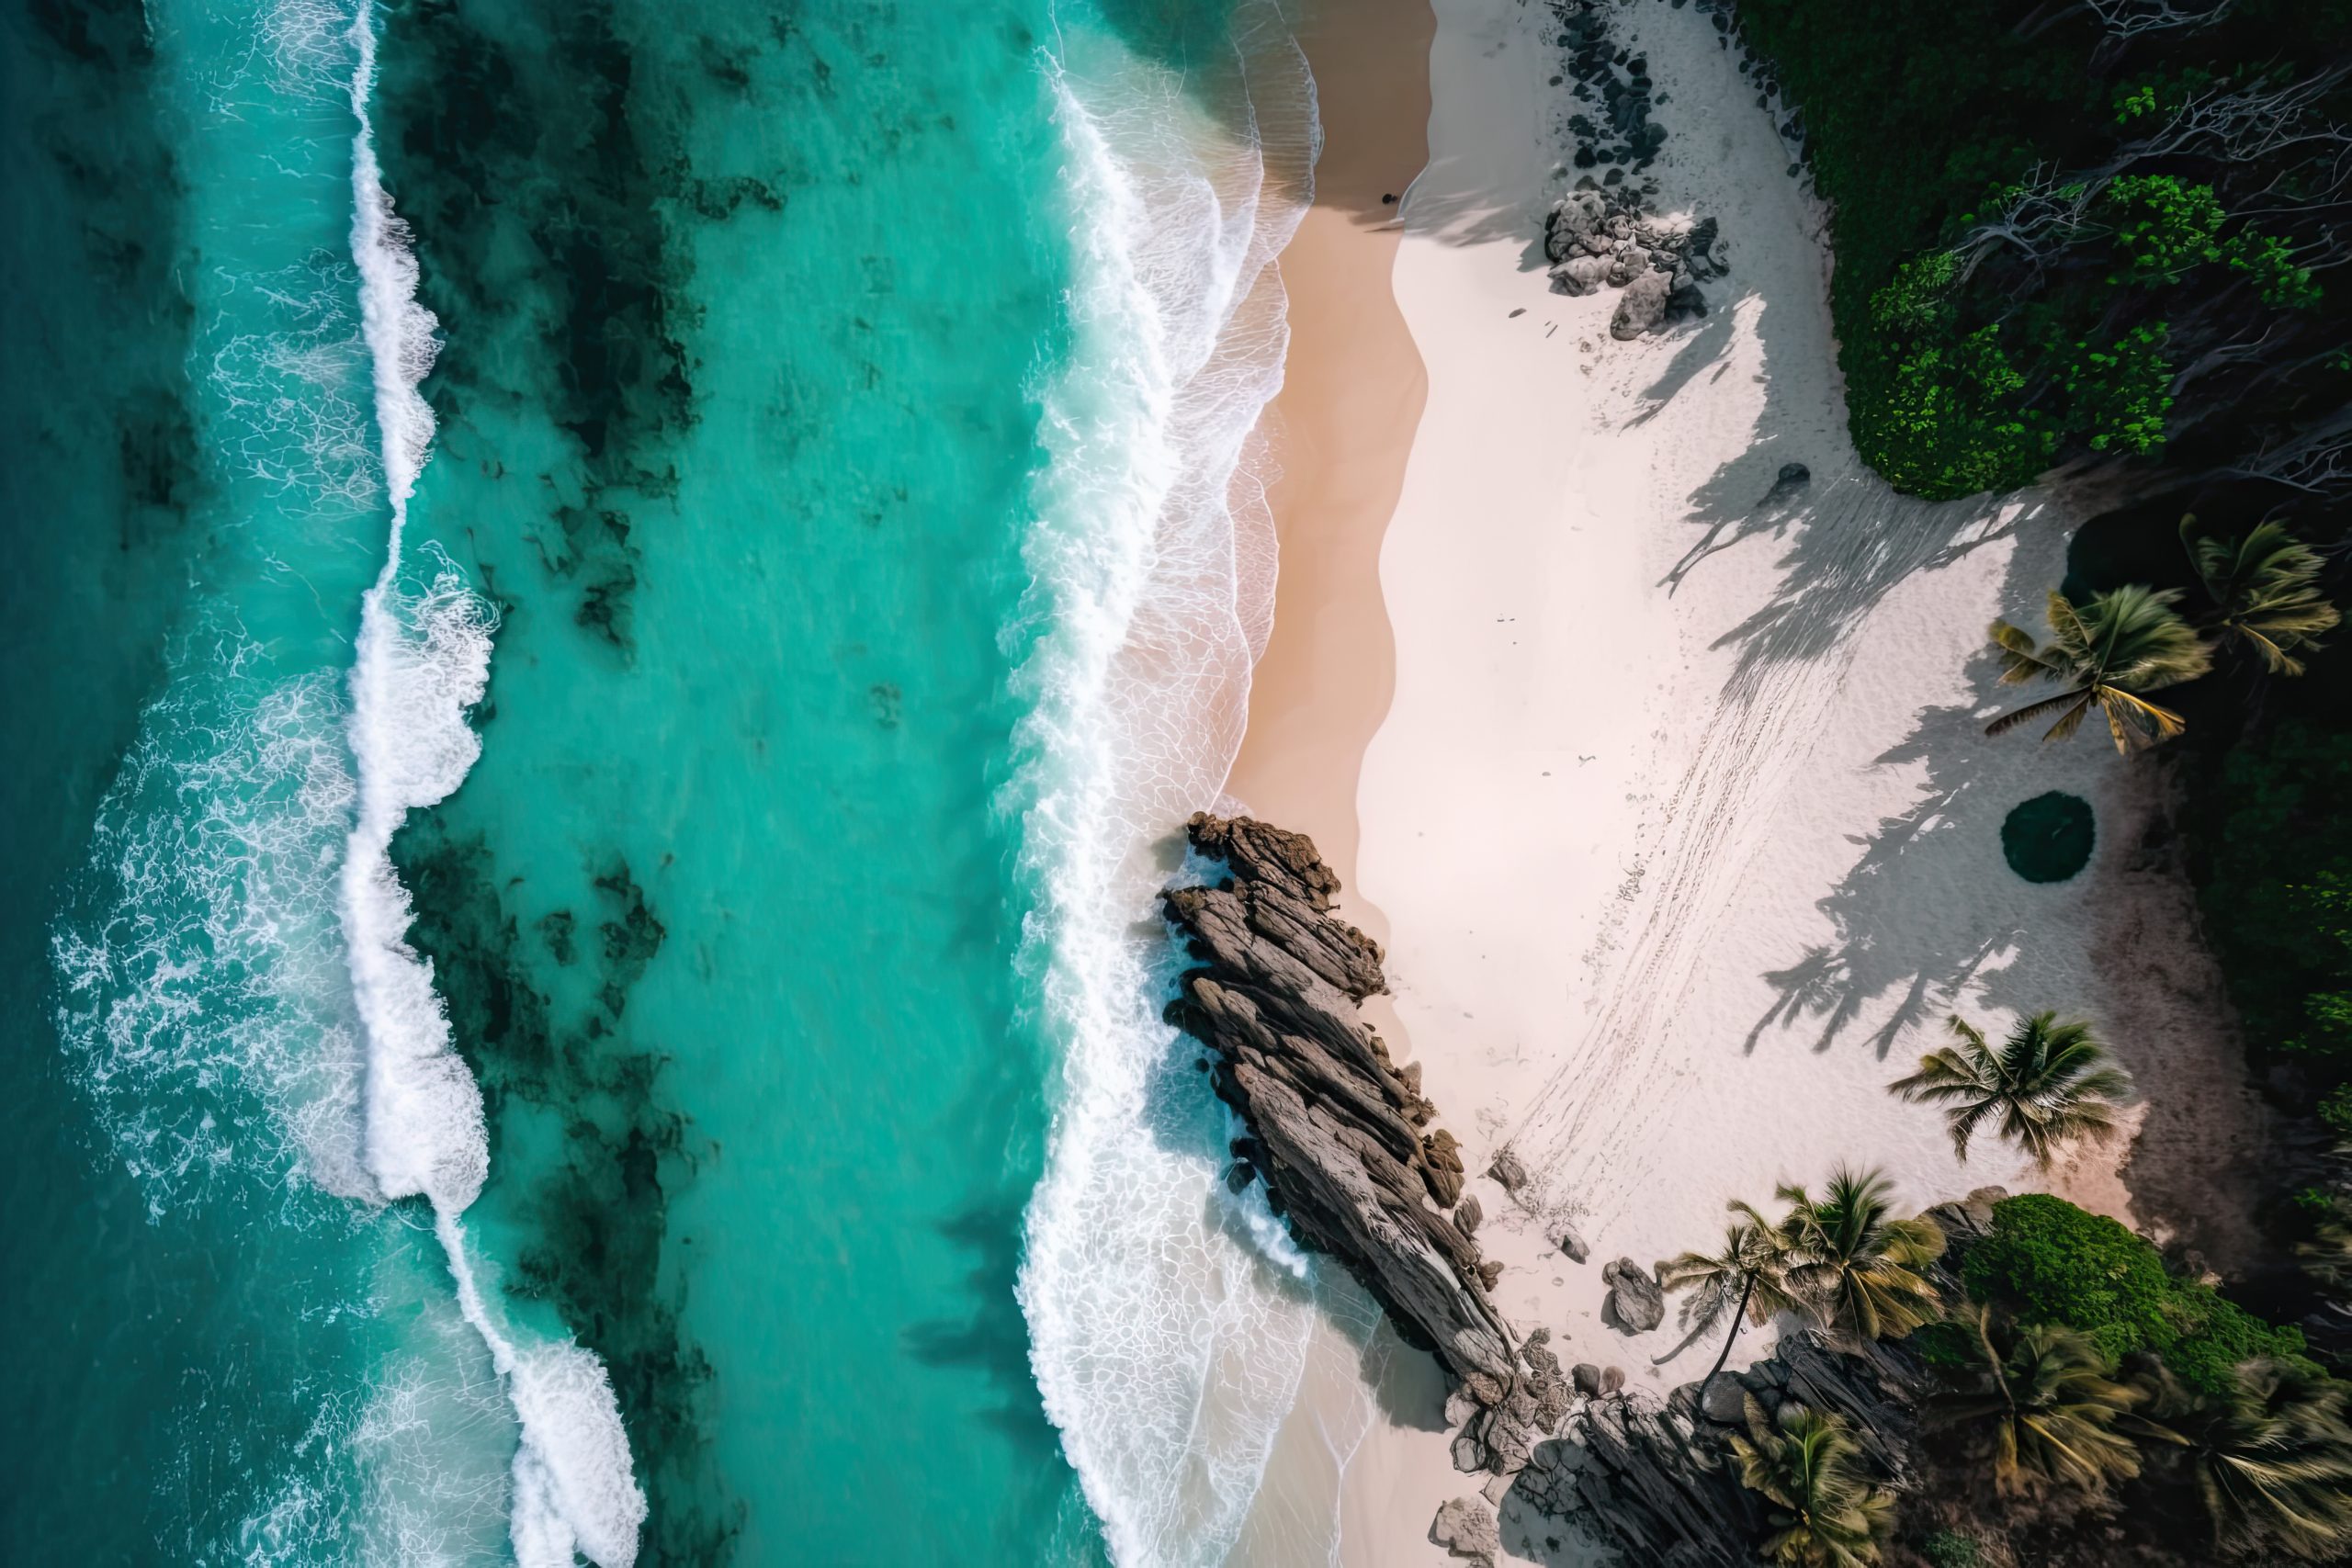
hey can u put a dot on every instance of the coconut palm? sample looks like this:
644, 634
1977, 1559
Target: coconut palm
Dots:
2109, 651
2049, 1084
1807, 1465
2265, 591
2273, 1464
1856, 1265
2048, 1400
1746, 1281
2327, 1256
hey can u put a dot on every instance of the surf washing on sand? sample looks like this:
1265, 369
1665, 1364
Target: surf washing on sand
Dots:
1164, 1342
361, 1186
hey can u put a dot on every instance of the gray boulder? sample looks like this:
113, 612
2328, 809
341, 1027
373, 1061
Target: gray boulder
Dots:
1634, 1304
1566, 1238
1468, 1529
1574, 217
1588, 1380
1507, 1172
1580, 275
1724, 1400
1642, 307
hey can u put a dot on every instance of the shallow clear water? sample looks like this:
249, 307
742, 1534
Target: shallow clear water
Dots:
764, 637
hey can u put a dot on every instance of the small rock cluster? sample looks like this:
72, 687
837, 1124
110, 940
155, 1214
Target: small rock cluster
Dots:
1596, 238
1613, 128
1603, 234
1496, 1436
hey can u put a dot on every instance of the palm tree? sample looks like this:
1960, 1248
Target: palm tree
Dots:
2273, 1464
1746, 1281
2050, 1083
1806, 1464
1857, 1267
2055, 1412
2265, 591
2108, 650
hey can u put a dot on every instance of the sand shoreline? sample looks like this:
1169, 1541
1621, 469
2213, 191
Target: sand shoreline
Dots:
1665, 789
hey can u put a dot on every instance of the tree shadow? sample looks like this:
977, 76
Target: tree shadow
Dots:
1911, 918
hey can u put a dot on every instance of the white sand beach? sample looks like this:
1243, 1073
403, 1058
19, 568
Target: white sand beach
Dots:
1679, 823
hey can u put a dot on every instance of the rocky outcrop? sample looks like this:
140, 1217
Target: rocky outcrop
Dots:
1467, 1527
1659, 1481
1634, 1303
1602, 234
1335, 1130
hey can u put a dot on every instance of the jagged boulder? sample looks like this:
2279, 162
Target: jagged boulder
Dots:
1569, 1240
1506, 1172
1335, 1129
1642, 307
1468, 1529
1634, 1303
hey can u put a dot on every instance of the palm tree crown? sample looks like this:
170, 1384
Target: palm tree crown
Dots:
1747, 1279
2108, 650
2275, 1464
1806, 1464
2048, 1399
2049, 1084
1855, 1264
2265, 591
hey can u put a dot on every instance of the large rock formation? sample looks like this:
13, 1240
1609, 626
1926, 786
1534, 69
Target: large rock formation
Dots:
1336, 1129
1659, 1482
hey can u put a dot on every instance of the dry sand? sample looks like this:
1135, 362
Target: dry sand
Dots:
1678, 821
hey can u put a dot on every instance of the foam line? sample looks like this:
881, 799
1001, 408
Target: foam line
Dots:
423, 662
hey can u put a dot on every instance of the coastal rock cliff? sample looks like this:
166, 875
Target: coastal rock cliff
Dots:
1336, 1129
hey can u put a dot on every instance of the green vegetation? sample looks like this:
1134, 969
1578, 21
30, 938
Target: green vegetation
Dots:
2279, 897
2108, 651
2273, 1464
2050, 1084
1805, 1463
1745, 1280
1842, 1259
2045, 1406
2265, 591
2044, 228
2049, 1262
1952, 1549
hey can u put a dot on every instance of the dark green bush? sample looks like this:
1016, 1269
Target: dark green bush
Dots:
1952, 1549
2048, 1262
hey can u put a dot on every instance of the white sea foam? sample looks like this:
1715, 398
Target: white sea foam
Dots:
421, 663
202, 992
1164, 1341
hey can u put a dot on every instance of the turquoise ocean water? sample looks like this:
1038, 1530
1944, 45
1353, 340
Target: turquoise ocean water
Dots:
619, 603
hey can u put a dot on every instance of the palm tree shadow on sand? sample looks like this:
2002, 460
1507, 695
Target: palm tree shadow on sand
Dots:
1931, 909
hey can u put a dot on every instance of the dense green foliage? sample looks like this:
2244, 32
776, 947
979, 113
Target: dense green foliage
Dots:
2279, 898
2026, 274
2048, 1262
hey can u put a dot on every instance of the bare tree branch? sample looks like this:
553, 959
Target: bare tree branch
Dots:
2129, 19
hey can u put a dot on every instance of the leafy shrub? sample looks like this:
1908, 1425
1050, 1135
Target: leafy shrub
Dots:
2335, 1110
1952, 1549
2270, 262
2122, 392
2164, 227
2278, 896
2049, 1261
